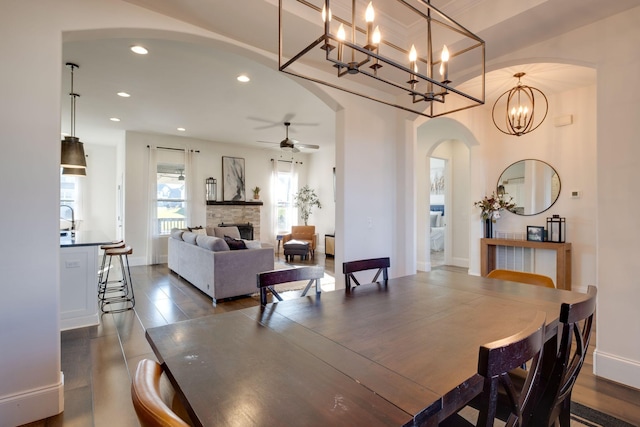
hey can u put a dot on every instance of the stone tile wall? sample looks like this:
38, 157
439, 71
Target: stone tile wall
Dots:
234, 214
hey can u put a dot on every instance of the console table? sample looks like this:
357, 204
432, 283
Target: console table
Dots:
563, 257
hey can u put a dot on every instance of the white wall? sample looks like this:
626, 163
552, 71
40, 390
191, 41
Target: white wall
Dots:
571, 151
320, 178
31, 36
99, 190
31, 387
605, 220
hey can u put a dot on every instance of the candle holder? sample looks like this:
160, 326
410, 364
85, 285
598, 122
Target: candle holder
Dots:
211, 189
556, 229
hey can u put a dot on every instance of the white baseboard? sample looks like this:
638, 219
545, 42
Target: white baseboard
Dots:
460, 262
423, 266
32, 405
615, 368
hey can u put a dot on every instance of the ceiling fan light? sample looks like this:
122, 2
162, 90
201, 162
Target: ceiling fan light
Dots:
72, 153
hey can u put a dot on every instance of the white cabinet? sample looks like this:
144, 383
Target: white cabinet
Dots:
79, 280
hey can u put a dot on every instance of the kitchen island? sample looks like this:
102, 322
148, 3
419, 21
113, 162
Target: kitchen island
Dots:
79, 278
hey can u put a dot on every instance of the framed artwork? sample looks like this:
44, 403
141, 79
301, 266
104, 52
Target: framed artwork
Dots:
535, 234
233, 179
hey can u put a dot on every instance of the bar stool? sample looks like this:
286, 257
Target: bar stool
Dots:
117, 291
104, 266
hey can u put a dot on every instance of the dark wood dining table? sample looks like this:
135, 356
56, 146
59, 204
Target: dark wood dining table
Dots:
400, 354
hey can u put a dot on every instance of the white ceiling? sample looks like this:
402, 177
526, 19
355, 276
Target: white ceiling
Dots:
192, 84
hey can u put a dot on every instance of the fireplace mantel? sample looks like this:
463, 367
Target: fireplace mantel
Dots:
235, 203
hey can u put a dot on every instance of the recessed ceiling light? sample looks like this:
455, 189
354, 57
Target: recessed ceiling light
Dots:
114, 119
243, 78
181, 129
139, 50
123, 94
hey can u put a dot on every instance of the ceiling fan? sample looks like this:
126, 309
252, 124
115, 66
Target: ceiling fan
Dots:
288, 144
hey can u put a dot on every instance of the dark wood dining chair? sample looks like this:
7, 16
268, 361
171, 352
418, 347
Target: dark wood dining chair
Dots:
153, 397
268, 279
350, 267
576, 321
495, 361
522, 277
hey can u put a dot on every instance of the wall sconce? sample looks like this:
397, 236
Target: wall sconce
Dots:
211, 189
556, 229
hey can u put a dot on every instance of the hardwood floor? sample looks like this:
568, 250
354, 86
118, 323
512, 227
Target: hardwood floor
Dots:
98, 361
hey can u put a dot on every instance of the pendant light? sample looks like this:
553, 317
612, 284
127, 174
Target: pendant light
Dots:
516, 112
72, 152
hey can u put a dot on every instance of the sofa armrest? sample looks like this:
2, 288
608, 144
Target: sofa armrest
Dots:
286, 238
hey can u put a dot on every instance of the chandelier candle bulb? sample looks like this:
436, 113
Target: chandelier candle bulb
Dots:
413, 57
444, 66
342, 35
369, 16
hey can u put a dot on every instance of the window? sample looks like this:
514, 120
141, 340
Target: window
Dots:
171, 197
69, 201
285, 212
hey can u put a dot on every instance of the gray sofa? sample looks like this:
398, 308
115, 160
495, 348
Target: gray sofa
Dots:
207, 262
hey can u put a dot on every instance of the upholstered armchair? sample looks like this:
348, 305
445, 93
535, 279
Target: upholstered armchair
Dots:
304, 233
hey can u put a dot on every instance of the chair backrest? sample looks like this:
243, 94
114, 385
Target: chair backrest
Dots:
496, 359
348, 268
576, 321
522, 277
303, 232
150, 403
268, 279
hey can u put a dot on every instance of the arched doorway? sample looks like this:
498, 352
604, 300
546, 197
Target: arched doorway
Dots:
449, 140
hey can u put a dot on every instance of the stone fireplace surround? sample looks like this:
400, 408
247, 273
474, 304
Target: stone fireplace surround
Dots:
235, 213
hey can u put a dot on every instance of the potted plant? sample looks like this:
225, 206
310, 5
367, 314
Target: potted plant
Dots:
256, 192
305, 199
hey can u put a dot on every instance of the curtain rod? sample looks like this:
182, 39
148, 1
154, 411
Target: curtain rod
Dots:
285, 161
174, 149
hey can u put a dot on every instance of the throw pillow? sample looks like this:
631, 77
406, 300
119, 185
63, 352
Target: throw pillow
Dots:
234, 244
252, 244
176, 233
212, 243
189, 237
199, 230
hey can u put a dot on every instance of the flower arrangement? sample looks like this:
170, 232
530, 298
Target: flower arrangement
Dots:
305, 199
491, 206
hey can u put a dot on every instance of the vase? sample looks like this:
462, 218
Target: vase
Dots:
488, 228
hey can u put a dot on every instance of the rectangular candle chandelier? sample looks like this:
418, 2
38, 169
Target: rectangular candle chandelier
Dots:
403, 53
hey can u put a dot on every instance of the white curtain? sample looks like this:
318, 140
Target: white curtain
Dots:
293, 211
280, 193
152, 198
274, 198
190, 187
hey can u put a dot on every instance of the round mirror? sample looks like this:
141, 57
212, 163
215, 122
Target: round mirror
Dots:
533, 184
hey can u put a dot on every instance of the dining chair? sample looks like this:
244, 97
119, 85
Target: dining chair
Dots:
522, 277
576, 321
495, 361
153, 397
350, 267
268, 279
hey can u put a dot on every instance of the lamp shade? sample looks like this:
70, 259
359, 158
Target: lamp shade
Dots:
74, 172
72, 154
